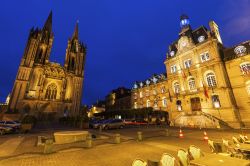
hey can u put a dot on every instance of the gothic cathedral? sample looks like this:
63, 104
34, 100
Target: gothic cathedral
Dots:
43, 87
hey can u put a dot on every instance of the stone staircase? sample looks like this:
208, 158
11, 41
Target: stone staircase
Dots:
199, 120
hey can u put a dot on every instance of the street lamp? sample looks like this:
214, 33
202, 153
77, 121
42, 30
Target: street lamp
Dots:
217, 106
179, 107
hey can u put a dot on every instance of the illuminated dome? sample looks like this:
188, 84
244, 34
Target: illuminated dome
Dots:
184, 21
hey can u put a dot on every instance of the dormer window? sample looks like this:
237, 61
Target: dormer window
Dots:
205, 57
201, 39
240, 50
135, 86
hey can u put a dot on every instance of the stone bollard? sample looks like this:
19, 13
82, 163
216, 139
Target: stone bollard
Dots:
139, 136
167, 133
48, 146
117, 139
89, 141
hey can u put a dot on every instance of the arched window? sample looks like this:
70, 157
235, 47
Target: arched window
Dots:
164, 102
211, 80
191, 83
148, 103
51, 92
245, 67
176, 87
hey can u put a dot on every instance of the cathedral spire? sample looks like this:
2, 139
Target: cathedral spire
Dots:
75, 34
48, 24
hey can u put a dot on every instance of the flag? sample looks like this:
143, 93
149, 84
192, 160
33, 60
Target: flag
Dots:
205, 90
170, 97
183, 74
189, 73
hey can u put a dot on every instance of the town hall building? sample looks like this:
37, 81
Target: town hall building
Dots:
205, 85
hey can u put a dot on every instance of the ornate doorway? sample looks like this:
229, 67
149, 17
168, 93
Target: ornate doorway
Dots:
195, 104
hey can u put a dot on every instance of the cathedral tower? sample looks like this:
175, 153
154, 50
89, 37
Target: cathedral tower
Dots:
74, 64
37, 51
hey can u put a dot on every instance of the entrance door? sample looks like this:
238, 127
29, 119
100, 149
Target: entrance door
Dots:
195, 104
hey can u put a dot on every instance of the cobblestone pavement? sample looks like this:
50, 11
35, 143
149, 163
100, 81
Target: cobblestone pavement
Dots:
108, 154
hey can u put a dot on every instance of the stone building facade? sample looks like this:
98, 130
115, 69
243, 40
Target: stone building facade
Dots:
203, 86
118, 99
44, 87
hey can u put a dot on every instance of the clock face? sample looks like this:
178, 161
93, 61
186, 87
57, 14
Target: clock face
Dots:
183, 43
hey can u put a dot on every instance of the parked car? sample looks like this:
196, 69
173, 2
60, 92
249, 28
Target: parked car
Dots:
93, 122
135, 122
128, 122
140, 122
13, 124
99, 123
113, 123
5, 129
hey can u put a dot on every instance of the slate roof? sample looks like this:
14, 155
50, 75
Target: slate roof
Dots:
230, 54
193, 34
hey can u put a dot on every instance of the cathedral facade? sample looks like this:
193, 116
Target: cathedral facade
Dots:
44, 87
205, 85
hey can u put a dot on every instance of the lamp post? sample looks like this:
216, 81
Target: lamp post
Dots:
217, 106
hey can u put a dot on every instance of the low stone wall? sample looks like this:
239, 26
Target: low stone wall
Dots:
70, 136
11, 117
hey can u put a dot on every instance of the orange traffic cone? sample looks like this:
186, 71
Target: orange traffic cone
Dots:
181, 134
205, 136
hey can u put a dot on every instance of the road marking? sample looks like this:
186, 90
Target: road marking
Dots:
9, 146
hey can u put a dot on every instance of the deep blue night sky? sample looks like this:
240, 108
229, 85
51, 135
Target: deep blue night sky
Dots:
127, 39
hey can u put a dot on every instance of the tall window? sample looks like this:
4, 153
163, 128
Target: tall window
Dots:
164, 102
155, 103
245, 68
176, 87
163, 89
216, 101
135, 105
178, 105
187, 63
211, 80
205, 57
51, 92
141, 95
191, 83
173, 69
148, 103
135, 96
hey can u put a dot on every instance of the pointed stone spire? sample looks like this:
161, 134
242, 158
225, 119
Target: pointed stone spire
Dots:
75, 34
48, 24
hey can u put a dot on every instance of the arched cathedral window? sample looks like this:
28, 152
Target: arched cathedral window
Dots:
51, 92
